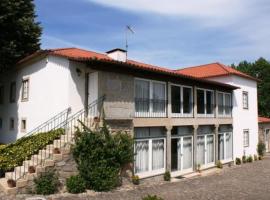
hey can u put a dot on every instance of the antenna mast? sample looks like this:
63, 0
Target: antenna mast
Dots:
128, 29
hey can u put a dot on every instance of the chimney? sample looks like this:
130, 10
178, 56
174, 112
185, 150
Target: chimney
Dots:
118, 54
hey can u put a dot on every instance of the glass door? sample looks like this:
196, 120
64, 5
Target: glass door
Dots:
205, 149
267, 138
182, 153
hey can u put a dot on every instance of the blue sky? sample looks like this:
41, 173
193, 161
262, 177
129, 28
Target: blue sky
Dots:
171, 33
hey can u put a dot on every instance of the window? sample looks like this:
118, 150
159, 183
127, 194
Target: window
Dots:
205, 102
12, 92
25, 89
11, 124
150, 150
225, 146
245, 100
150, 98
1, 123
181, 100
224, 104
1, 94
23, 125
246, 138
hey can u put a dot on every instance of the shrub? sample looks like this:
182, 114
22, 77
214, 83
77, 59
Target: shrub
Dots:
244, 159
219, 164
255, 157
135, 180
167, 176
101, 164
237, 161
75, 185
14, 154
47, 183
198, 168
154, 197
261, 148
250, 159
11, 183
260, 157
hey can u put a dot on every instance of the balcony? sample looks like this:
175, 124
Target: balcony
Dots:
150, 107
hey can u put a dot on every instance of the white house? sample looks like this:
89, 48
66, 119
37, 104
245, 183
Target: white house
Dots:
178, 120
245, 110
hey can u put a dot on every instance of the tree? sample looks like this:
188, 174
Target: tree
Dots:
19, 32
261, 70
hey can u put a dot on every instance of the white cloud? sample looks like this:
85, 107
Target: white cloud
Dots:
209, 11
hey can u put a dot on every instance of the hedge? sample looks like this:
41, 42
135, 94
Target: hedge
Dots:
14, 154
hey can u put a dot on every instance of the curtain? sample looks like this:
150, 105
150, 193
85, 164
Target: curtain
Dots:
221, 146
179, 156
220, 104
157, 154
141, 156
142, 95
141, 132
159, 103
229, 146
210, 148
187, 152
200, 150
227, 104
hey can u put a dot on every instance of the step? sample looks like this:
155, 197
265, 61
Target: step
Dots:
59, 143
67, 137
44, 153
4, 187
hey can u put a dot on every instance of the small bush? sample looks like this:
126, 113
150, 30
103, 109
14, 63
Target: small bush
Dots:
244, 159
154, 197
75, 185
219, 164
135, 180
47, 183
255, 157
198, 168
261, 148
237, 161
250, 159
260, 157
11, 183
101, 164
167, 176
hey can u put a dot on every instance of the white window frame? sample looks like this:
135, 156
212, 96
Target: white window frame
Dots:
245, 106
151, 114
183, 171
224, 112
225, 147
265, 139
23, 98
205, 164
150, 171
246, 140
205, 100
23, 130
182, 114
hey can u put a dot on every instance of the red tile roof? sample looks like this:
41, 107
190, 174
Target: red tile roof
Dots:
213, 70
264, 120
85, 55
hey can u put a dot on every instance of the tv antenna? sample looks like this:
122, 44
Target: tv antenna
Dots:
128, 30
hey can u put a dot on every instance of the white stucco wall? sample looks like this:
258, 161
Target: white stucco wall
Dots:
243, 118
54, 85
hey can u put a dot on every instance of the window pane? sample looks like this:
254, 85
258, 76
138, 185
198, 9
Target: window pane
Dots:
200, 150
157, 154
1, 94
200, 101
141, 132
229, 145
176, 99
187, 100
187, 152
220, 104
228, 104
141, 156
209, 102
210, 148
221, 146
159, 103
142, 92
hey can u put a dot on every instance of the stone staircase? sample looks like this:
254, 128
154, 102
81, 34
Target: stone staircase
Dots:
52, 153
